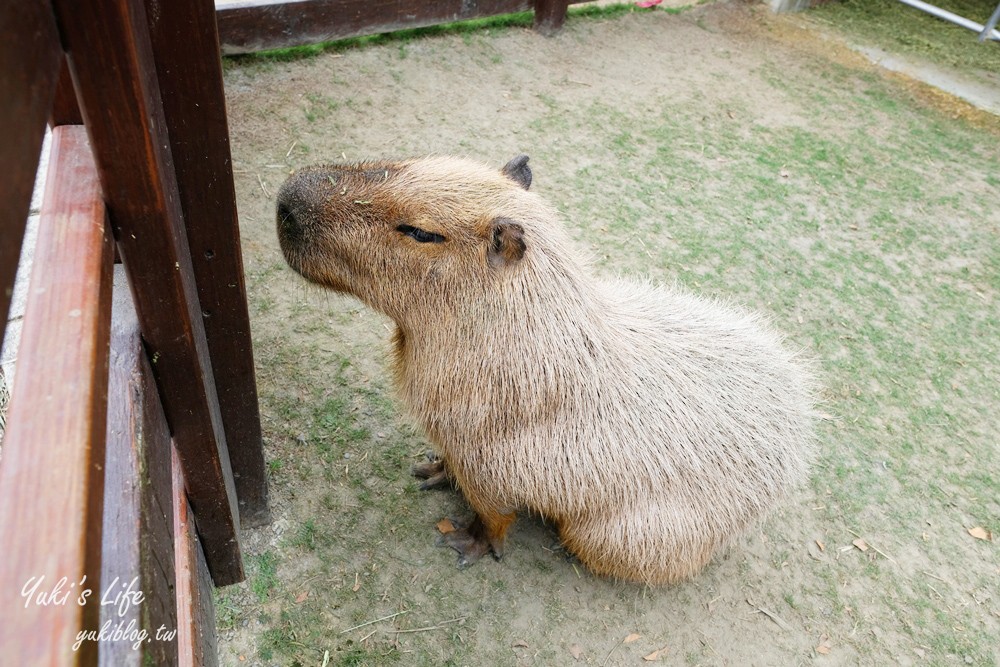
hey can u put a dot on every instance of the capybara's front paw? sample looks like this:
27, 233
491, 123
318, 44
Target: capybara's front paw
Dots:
472, 543
434, 473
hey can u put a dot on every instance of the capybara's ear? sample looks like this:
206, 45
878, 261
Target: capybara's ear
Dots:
506, 243
518, 171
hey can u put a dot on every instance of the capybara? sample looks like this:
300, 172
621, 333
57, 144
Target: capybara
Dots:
649, 424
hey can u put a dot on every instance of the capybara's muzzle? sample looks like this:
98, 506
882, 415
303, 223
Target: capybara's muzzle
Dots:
288, 225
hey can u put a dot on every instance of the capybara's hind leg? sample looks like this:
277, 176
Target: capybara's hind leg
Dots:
486, 533
434, 472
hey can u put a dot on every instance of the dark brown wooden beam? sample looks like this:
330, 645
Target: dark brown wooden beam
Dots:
29, 65
258, 25
550, 15
138, 498
111, 62
65, 110
51, 474
189, 69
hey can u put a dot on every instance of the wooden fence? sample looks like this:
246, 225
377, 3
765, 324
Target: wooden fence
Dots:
133, 452
133, 445
256, 25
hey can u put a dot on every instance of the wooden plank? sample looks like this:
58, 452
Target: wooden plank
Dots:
197, 642
257, 25
189, 68
29, 65
550, 15
51, 473
65, 110
112, 65
138, 551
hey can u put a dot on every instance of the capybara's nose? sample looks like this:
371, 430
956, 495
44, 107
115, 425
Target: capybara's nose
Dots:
289, 228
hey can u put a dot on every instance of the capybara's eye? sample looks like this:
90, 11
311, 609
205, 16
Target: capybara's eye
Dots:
420, 235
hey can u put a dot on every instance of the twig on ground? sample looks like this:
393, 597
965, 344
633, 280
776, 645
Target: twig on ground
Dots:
875, 549
771, 615
439, 626
934, 576
377, 620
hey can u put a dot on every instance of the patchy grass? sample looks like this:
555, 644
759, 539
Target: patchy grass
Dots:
821, 193
467, 30
903, 29
264, 580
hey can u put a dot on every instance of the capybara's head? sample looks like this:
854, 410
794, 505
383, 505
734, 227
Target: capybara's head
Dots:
416, 233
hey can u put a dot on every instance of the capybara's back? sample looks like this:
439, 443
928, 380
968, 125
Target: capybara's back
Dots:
651, 425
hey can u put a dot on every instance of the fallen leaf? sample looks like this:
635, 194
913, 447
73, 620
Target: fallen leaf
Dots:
631, 638
860, 544
520, 644
784, 173
823, 649
243, 658
981, 533
655, 655
445, 526
576, 651
300, 598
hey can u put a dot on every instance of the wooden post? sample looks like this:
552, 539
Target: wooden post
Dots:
189, 70
550, 15
790, 5
65, 110
51, 473
197, 643
115, 78
29, 65
138, 550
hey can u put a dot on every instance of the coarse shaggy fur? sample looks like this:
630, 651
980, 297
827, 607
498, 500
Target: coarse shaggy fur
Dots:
651, 425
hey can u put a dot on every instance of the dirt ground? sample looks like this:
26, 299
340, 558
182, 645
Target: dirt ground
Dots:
863, 566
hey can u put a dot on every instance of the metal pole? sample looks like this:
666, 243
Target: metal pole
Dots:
990, 24
955, 18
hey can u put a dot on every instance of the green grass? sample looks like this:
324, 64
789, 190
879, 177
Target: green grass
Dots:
466, 29
264, 577
401, 38
305, 537
903, 29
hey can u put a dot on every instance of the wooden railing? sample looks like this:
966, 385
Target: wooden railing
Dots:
132, 452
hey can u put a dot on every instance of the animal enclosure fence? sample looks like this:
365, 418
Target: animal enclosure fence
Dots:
255, 25
133, 450
133, 445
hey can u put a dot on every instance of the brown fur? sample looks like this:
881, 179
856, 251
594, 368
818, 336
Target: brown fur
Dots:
649, 424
